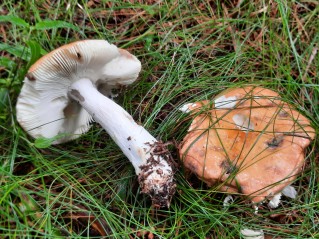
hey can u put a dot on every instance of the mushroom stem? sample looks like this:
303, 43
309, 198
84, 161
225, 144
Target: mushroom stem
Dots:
150, 161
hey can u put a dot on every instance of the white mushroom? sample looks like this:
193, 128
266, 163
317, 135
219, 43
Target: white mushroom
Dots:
290, 192
228, 200
65, 90
252, 234
274, 202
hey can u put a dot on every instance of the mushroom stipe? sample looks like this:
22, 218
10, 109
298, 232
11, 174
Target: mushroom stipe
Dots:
66, 89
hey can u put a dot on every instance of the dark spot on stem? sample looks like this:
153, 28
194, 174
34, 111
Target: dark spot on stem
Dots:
76, 95
129, 138
79, 55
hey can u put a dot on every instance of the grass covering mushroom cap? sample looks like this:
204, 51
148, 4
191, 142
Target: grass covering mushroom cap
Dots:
248, 141
64, 90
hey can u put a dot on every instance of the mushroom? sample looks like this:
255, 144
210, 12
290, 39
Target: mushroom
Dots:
252, 234
65, 90
246, 141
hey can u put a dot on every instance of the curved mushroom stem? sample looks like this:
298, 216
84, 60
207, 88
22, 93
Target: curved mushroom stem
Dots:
150, 161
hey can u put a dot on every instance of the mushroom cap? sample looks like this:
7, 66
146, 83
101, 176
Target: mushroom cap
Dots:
44, 108
247, 141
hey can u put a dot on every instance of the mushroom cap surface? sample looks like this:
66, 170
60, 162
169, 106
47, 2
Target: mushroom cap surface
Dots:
247, 141
44, 108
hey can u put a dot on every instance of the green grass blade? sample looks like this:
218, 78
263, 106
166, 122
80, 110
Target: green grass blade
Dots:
54, 24
14, 20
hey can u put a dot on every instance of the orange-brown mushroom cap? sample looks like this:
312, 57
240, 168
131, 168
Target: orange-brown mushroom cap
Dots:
249, 141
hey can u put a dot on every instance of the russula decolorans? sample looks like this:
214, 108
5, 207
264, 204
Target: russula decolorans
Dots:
65, 89
248, 141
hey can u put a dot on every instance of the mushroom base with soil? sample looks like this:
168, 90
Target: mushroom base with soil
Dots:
151, 163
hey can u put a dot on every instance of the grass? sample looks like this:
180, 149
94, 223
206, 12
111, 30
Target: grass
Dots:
190, 50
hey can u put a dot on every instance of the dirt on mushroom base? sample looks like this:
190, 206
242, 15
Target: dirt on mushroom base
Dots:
248, 141
153, 165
